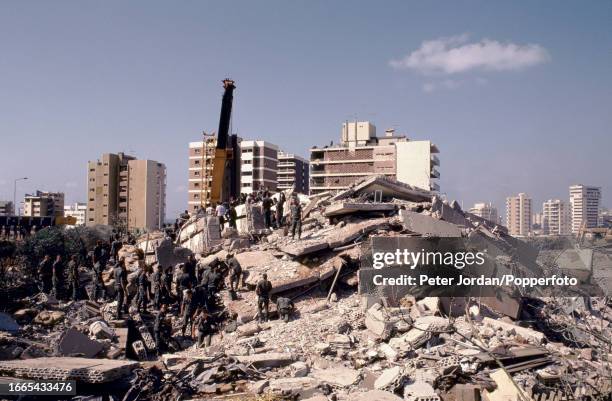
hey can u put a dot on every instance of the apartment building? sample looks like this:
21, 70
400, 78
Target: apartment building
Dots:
126, 192
259, 166
361, 153
555, 217
44, 204
293, 172
6, 209
78, 211
486, 211
518, 214
201, 156
585, 204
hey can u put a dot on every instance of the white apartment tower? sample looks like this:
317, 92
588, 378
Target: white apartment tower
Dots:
486, 211
259, 166
584, 203
555, 217
518, 214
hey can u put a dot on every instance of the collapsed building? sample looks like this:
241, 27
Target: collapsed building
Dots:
345, 340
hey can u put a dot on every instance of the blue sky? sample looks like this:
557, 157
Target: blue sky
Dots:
517, 95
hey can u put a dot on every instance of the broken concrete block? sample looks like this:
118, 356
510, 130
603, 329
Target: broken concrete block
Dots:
322, 348
389, 352
48, 318
373, 395
73, 342
259, 386
420, 391
298, 369
269, 360
526, 333
430, 304
293, 385
337, 376
466, 392
339, 341
147, 338
377, 322
389, 379
428, 226
139, 350
506, 390
101, 330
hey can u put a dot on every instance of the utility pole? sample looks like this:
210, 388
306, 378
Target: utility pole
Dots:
15, 194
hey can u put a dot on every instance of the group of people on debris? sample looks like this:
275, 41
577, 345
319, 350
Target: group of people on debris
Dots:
189, 289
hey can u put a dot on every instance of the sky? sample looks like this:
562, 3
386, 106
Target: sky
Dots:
516, 95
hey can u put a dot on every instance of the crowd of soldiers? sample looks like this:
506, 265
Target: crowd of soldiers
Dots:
189, 290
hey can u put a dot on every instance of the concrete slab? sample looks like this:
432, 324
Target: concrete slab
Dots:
428, 226
73, 342
345, 208
269, 360
377, 395
338, 376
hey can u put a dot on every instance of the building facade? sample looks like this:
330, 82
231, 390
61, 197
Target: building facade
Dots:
126, 192
293, 172
518, 214
44, 204
258, 166
585, 204
361, 153
78, 211
555, 217
486, 211
6, 208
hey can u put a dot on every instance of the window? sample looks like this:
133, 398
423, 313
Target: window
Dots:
197, 162
196, 173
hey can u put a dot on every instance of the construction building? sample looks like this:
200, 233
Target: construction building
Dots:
126, 192
585, 204
201, 156
258, 167
44, 204
6, 208
78, 211
293, 172
486, 211
361, 153
518, 215
555, 217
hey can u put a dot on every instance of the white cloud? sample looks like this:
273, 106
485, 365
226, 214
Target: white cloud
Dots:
454, 55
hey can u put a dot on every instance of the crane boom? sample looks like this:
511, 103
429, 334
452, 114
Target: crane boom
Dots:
222, 154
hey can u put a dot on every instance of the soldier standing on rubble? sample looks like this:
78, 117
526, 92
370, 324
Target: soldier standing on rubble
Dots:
183, 282
57, 276
190, 266
214, 279
280, 206
97, 277
45, 273
97, 251
120, 273
263, 288
206, 327
73, 276
143, 290
187, 311
296, 216
266, 204
161, 330
166, 285
156, 285
231, 215
285, 307
235, 272
115, 247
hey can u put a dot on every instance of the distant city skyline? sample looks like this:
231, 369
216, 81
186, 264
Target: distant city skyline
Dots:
512, 107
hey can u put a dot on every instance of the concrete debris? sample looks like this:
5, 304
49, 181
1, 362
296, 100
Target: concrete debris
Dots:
310, 334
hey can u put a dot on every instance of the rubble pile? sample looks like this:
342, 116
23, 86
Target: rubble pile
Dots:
339, 343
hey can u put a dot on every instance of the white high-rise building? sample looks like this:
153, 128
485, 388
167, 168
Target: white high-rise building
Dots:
555, 217
486, 211
78, 211
585, 203
518, 214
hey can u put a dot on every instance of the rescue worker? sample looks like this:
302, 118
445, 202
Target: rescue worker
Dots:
120, 273
266, 204
232, 215
296, 217
214, 279
98, 285
187, 311
116, 245
183, 282
161, 330
190, 267
206, 327
143, 290
73, 276
280, 205
285, 307
166, 282
262, 290
156, 285
235, 272
45, 272
57, 276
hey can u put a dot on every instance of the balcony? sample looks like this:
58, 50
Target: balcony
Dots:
434, 173
435, 161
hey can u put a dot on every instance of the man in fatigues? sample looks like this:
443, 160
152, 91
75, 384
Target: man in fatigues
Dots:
190, 267
58, 276
183, 282
98, 284
166, 285
280, 205
44, 274
235, 272
116, 245
73, 277
120, 274
161, 330
214, 279
285, 307
262, 290
296, 217
156, 285
206, 328
187, 311
266, 205
143, 290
